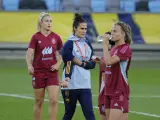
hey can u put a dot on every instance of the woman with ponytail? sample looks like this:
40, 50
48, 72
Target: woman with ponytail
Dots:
117, 63
76, 82
44, 69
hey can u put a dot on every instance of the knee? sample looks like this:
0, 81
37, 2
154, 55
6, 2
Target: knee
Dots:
53, 101
39, 102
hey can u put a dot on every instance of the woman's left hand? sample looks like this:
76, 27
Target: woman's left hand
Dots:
55, 67
96, 59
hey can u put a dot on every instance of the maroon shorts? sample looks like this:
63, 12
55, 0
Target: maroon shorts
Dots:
101, 103
44, 79
102, 109
117, 102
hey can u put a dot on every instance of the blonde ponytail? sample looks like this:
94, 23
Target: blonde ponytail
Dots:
42, 15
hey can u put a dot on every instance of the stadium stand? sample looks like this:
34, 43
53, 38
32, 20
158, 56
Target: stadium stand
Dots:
128, 6
113, 5
68, 5
154, 6
85, 5
32, 4
98, 5
10, 5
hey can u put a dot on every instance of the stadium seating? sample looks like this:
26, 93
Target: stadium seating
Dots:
53, 5
10, 5
128, 5
154, 6
68, 5
84, 6
98, 5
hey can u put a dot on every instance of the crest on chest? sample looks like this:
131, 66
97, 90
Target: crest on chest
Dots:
53, 40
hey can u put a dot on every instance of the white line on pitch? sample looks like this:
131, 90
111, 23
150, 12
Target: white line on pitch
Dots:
94, 95
138, 96
27, 97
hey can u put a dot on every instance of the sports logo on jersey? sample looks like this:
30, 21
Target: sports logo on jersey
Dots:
116, 104
47, 50
53, 41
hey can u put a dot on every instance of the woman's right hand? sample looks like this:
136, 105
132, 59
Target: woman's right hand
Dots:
65, 83
30, 70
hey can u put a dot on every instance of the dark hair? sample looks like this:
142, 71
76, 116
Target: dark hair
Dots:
77, 20
127, 30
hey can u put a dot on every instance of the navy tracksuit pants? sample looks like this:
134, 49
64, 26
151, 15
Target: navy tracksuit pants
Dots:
84, 96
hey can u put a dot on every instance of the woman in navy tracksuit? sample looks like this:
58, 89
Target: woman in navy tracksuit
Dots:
76, 82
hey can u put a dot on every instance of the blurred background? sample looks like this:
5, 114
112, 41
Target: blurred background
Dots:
18, 20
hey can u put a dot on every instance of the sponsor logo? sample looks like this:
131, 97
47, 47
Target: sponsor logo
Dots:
116, 104
47, 51
39, 41
50, 58
53, 41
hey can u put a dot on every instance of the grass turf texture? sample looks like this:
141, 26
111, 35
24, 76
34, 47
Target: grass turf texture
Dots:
143, 78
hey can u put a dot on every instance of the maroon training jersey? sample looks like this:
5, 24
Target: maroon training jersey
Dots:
45, 50
102, 70
116, 75
101, 83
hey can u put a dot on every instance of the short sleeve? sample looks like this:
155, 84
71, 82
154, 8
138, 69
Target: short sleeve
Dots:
124, 52
33, 42
59, 43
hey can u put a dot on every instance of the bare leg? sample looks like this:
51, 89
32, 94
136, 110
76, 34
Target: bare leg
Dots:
115, 114
102, 117
124, 116
107, 112
39, 98
53, 92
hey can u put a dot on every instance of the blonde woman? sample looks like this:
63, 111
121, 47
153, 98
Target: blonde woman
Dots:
44, 69
117, 63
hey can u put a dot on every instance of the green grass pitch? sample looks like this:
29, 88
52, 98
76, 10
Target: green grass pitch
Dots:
144, 79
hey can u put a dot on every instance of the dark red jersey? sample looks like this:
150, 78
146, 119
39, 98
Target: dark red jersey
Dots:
116, 75
45, 50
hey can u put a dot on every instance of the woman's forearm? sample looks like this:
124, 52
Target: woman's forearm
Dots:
106, 53
59, 61
29, 56
76, 61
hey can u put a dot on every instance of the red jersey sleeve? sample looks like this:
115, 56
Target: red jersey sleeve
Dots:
33, 42
124, 52
59, 43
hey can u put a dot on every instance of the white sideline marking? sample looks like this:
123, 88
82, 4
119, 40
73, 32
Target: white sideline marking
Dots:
138, 96
94, 95
27, 97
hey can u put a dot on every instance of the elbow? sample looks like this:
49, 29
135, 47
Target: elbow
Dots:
108, 62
